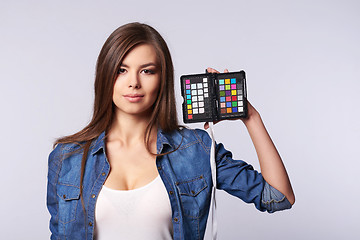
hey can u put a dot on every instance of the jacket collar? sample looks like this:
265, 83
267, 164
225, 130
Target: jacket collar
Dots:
99, 144
162, 139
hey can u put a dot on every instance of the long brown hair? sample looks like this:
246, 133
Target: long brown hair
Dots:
115, 48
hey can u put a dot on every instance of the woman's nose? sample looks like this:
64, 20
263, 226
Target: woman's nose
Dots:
134, 81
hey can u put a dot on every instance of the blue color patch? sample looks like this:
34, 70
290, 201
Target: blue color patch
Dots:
228, 104
188, 96
233, 80
188, 91
222, 99
234, 109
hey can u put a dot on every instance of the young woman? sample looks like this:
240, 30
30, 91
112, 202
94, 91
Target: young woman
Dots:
133, 172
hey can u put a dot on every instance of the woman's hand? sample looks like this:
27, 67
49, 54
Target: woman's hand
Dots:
251, 110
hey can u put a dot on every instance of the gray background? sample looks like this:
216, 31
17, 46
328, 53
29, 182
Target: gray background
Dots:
302, 60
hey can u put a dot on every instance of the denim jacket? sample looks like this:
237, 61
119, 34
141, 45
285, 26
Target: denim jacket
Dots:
185, 173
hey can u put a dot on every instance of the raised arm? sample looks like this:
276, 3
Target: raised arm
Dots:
272, 167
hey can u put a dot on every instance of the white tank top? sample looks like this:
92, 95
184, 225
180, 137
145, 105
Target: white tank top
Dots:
141, 213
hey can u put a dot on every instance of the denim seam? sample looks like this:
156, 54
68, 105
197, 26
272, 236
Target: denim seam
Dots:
171, 187
96, 196
64, 231
190, 216
273, 200
57, 173
57, 218
77, 203
194, 195
57, 183
189, 144
67, 184
201, 142
192, 180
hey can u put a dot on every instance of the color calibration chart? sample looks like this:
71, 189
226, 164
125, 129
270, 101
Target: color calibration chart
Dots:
213, 96
197, 98
231, 96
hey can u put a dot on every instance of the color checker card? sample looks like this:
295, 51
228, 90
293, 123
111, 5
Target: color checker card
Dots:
231, 94
211, 97
197, 105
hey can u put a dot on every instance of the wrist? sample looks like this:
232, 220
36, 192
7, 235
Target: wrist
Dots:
253, 118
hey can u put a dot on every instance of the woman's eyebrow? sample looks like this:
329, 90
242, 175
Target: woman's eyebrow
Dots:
142, 65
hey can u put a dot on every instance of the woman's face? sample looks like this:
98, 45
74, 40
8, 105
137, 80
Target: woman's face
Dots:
137, 85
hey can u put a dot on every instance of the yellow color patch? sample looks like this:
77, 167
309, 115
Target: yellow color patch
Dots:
227, 81
189, 111
189, 106
233, 92
228, 110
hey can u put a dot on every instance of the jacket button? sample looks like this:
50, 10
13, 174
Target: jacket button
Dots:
93, 196
192, 191
171, 192
159, 168
175, 219
64, 196
201, 177
103, 173
90, 224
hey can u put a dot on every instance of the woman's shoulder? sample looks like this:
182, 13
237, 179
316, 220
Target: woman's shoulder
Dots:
196, 133
187, 135
62, 151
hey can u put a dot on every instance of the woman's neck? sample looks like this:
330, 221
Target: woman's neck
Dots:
130, 129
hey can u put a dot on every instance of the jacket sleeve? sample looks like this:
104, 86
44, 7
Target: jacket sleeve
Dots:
241, 180
54, 164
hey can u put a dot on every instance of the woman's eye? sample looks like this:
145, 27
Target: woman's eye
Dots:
148, 71
121, 70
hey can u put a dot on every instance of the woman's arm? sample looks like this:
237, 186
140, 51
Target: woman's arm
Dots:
272, 167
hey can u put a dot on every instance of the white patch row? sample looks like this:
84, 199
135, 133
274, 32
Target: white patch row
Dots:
199, 85
198, 104
198, 110
198, 98
199, 92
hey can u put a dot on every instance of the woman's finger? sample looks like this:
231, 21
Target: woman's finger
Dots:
206, 125
212, 70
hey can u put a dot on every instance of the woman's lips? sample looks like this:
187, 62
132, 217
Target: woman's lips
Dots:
133, 97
